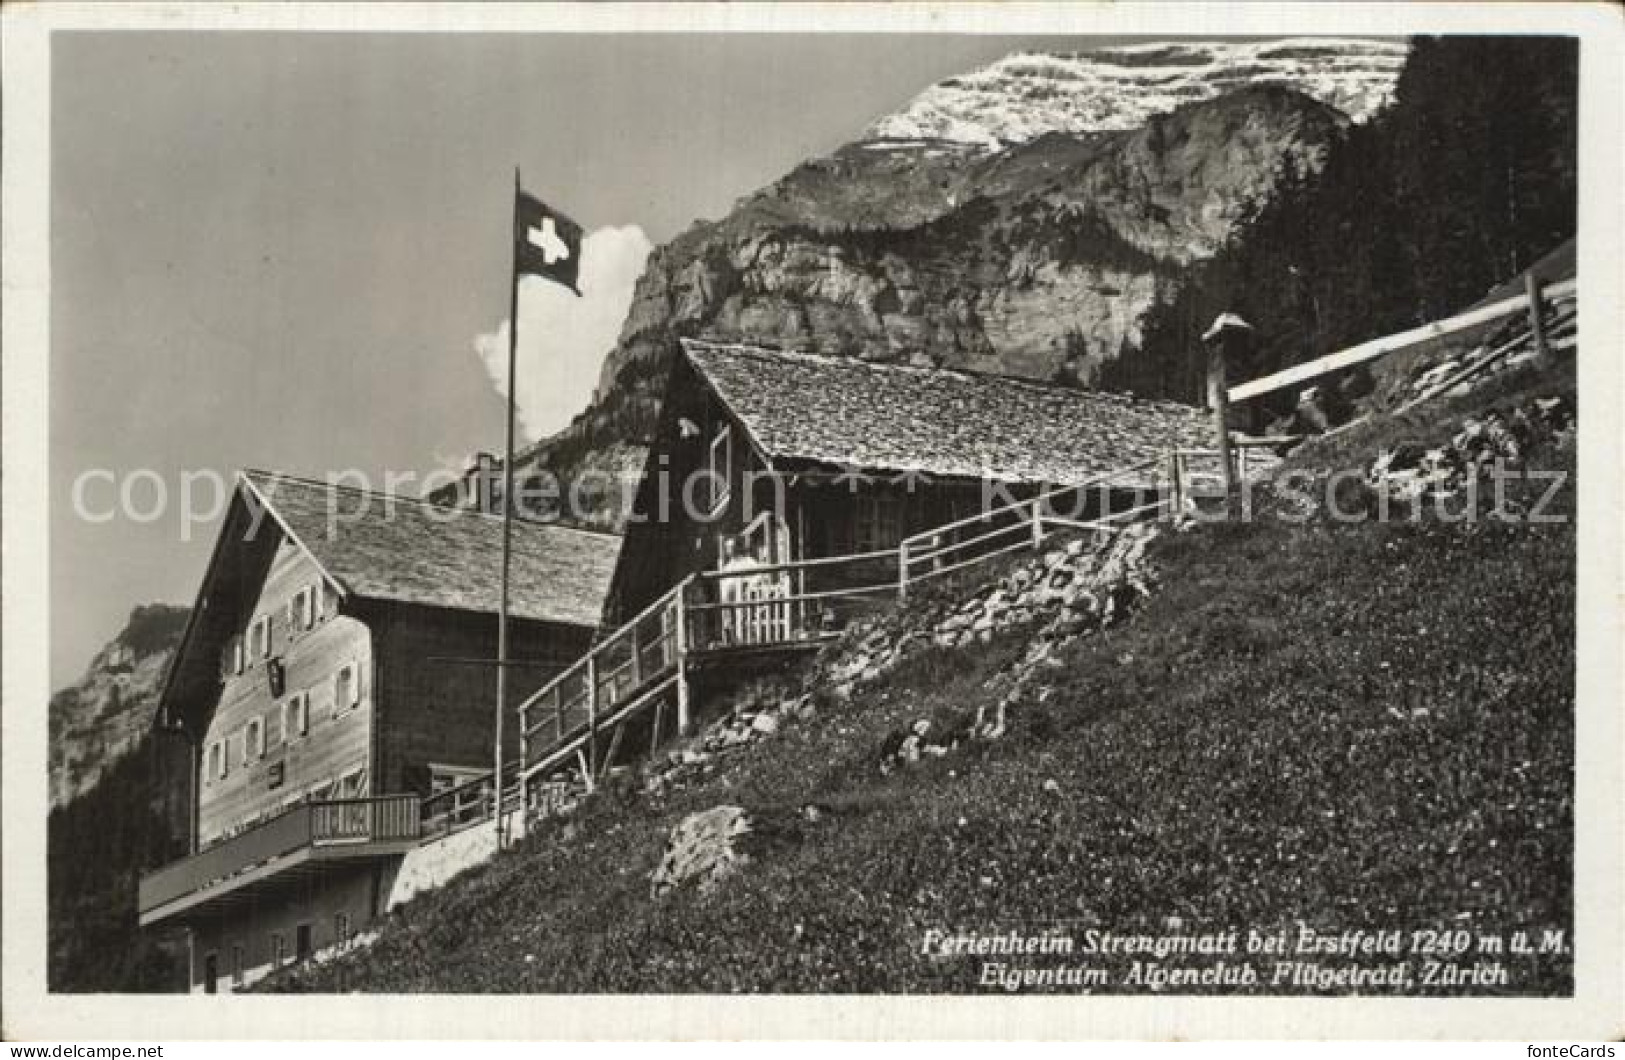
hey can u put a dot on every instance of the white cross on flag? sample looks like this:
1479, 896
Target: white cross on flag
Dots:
546, 243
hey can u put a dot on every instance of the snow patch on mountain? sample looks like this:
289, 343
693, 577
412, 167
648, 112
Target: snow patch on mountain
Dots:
1024, 96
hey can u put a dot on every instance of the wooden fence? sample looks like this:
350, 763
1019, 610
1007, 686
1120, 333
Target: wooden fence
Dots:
640, 665
1528, 302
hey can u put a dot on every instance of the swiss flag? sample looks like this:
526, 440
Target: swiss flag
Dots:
546, 242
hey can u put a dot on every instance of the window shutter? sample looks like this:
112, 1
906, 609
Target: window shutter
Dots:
311, 593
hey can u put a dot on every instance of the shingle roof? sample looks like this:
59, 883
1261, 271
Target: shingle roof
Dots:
386, 547
844, 411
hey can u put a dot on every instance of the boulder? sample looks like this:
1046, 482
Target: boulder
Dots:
703, 850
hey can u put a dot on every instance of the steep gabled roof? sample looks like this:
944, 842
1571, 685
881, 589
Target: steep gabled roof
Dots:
386, 547
844, 411
378, 546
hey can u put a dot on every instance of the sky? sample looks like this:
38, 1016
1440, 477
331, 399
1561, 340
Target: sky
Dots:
289, 250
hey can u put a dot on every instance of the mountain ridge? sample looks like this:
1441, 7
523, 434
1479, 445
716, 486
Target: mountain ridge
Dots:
1121, 88
1036, 259
103, 715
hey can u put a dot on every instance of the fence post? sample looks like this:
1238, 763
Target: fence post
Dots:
1038, 522
1219, 398
682, 658
1537, 326
1176, 503
592, 711
902, 570
524, 761
1227, 330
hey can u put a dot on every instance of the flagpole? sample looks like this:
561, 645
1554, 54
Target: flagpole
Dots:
507, 514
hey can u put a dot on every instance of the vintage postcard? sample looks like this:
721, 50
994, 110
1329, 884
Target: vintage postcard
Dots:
869, 521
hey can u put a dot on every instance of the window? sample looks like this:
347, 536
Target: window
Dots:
254, 740
237, 965
237, 653
296, 716
346, 688
353, 784
279, 949
341, 928
444, 778
217, 761
327, 601
301, 942
302, 609
259, 638
276, 728
879, 522
211, 974
719, 470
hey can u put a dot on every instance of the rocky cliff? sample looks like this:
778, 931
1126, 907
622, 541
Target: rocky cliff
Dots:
1031, 252
110, 708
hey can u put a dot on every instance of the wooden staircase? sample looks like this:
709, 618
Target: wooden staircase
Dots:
639, 677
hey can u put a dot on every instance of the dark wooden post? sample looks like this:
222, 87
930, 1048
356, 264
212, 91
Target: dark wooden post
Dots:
684, 724
1228, 335
1218, 399
1537, 326
592, 712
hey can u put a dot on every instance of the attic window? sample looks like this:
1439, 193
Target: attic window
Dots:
254, 740
302, 609
217, 761
719, 470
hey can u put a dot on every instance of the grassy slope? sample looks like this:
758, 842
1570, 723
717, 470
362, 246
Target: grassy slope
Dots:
1347, 726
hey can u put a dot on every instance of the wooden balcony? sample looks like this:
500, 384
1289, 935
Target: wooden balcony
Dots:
303, 841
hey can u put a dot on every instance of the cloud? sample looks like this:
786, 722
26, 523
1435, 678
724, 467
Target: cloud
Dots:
563, 339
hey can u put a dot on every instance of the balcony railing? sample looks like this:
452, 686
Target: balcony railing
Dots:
329, 823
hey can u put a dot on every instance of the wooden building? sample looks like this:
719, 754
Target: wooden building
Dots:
765, 457
334, 680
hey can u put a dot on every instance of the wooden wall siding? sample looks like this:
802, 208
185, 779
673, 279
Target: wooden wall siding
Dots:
356, 891
333, 746
660, 551
433, 710
657, 553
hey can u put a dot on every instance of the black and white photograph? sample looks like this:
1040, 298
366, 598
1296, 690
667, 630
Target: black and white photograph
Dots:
869, 520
